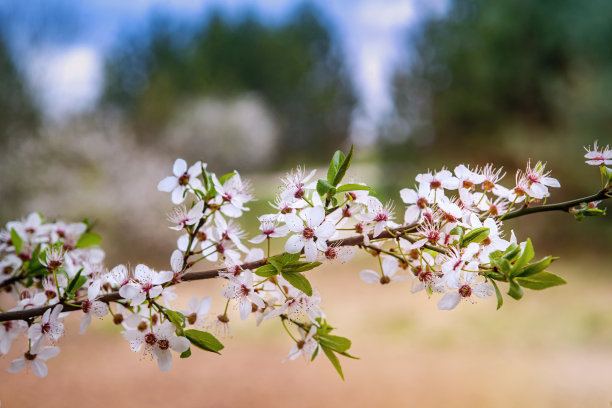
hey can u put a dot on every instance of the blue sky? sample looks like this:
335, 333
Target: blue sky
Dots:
66, 72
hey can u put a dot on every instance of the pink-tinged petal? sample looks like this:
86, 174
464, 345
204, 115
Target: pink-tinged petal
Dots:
310, 250
294, 222
325, 230
550, 182
399, 278
255, 254
143, 273
48, 352
412, 214
231, 210
177, 194
162, 277
17, 365
39, 368
483, 290
99, 309
138, 299
255, 298
379, 228
129, 291
179, 168
168, 184
204, 305
155, 291
294, 244
245, 308
449, 301
55, 313
84, 323
389, 266
93, 290
182, 242
258, 239
409, 196
5, 344
176, 261
539, 190
179, 344
164, 359
314, 216
369, 276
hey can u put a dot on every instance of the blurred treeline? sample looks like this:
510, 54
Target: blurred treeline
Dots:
484, 81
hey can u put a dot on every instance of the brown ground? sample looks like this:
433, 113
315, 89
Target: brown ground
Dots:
553, 349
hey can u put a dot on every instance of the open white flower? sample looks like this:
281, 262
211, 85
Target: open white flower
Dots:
146, 282
182, 180
183, 217
380, 215
465, 287
9, 331
197, 310
234, 193
269, 229
304, 347
389, 269
597, 157
91, 307
312, 226
36, 359
241, 289
419, 200
50, 327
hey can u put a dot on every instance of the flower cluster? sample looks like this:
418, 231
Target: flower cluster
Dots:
449, 242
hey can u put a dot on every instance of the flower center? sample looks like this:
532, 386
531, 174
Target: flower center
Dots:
163, 344
308, 233
435, 184
467, 184
184, 179
150, 339
465, 291
422, 203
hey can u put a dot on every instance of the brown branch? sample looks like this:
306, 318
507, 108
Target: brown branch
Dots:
192, 276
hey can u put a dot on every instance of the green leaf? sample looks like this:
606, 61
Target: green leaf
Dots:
283, 259
204, 340
315, 354
515, 290
300, 266
334, 360
505, 267
458, 230
76, 283
266, 271
88, 239
323, 187
526, 256
476, 235
541, 281
334, 166
186, 353
536, 267
500, 299
177, 318
226, 177
298, 281
511, 252
16, 241
337, 343
353, 187
346, 163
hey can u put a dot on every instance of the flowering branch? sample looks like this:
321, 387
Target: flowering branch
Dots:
448, 245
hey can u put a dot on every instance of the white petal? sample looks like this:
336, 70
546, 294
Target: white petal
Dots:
177, 195
179, 344
294, 244
179, 168
84, 323
294, 222
409, 196
369, 276
379, 228
39, 368
48, 352
310, 250
164, 360
245, 308
325, 230
449, 301
17, 365
168, 184
314, 216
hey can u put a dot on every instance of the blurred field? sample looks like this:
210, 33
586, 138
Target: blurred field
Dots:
553, 349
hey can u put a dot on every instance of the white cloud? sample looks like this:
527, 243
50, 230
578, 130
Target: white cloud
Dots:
65, 80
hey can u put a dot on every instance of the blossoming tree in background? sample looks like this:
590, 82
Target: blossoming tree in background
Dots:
450, 243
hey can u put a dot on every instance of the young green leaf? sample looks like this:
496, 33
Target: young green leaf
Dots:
540, 281
346, 163
334, 166
266, 271
300, 266
16, 241
337, 343
204, 340
476, 235
298, 281
334, 360
536, 267
186, 353
177, 318
88, 239
525, 257
511, 252
515, 290
353, 187
500, 299
76, 283
226, 177
323, 187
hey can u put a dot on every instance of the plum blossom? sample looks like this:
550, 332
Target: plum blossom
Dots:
597, 156
388, 275
146, 283
158, 342
304, 347
379, 214
36, 358
439, 180
91, 308
295, 184
197, 310
467, 178
9, 331
419, 200
270, 229
182, 180
465, 287
539, 181
183, 218
313, 225
241, 289
234, 194
50, 327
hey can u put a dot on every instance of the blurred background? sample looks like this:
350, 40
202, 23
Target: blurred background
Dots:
98, 98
